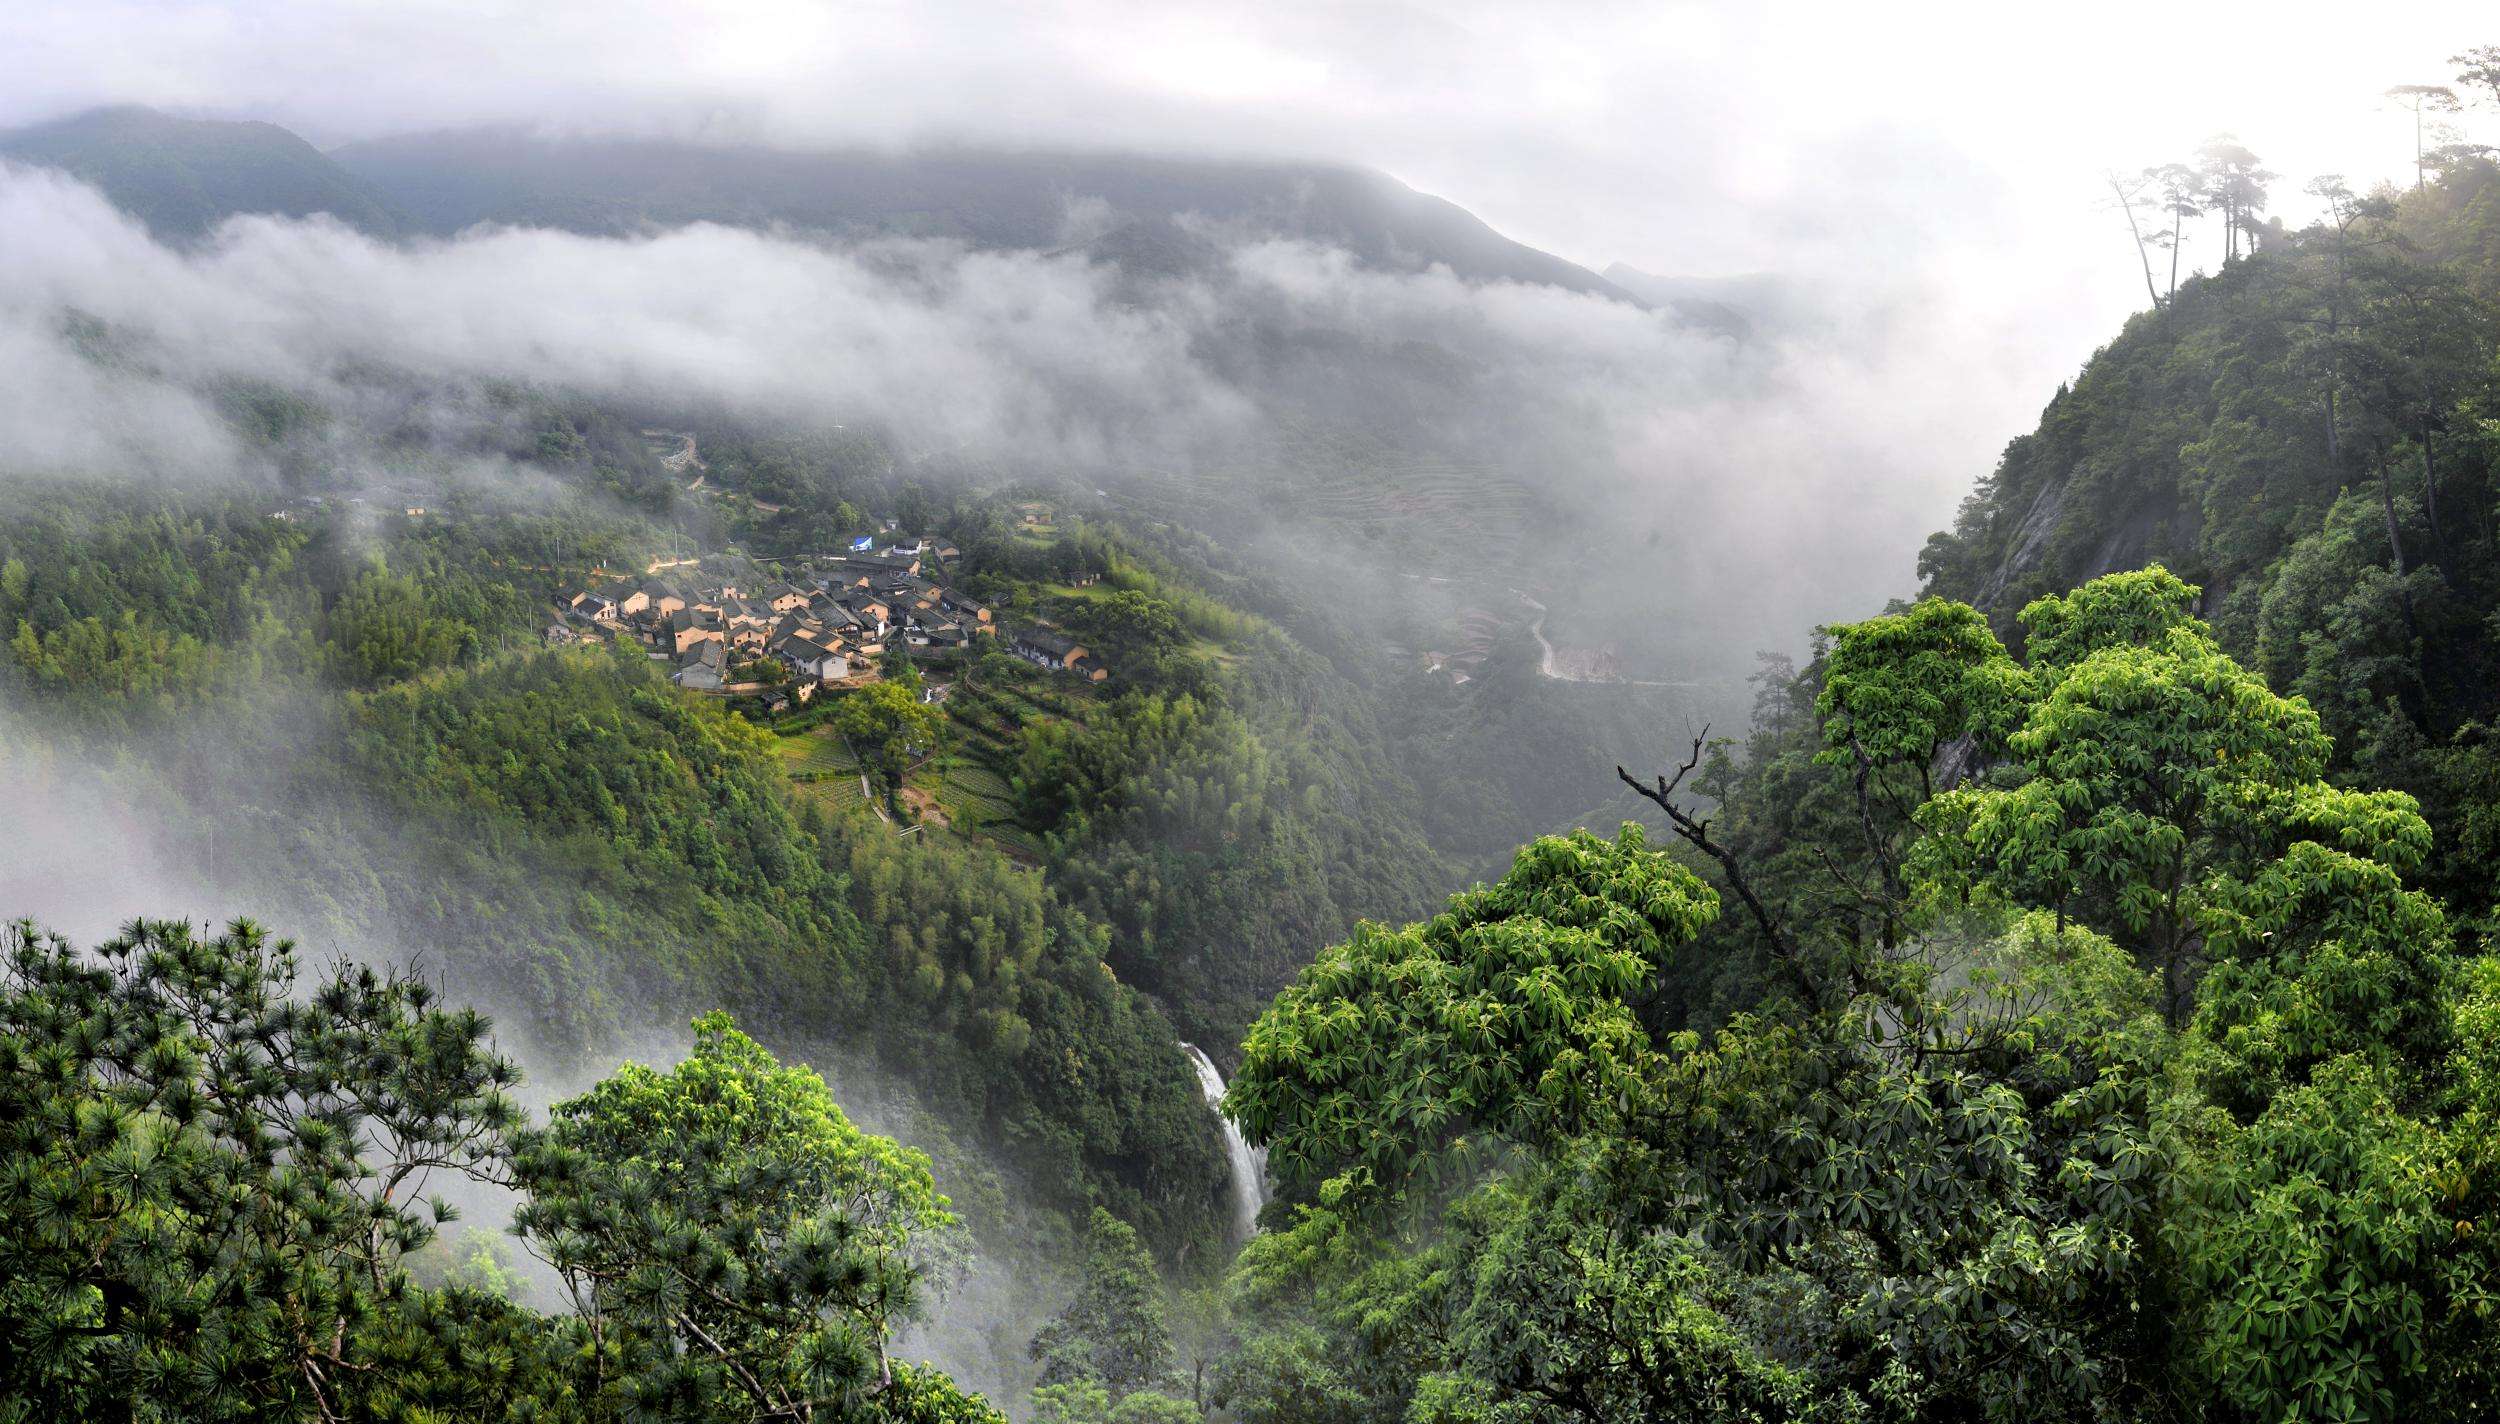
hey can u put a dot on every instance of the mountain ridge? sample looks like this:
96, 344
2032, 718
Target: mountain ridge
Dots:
992, 197
181, 177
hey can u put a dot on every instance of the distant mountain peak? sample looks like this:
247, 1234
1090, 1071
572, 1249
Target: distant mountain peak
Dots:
182, 177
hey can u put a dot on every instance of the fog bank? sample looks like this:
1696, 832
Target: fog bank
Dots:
1753, 484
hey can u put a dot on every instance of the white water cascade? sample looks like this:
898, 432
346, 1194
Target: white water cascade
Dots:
1249, 1163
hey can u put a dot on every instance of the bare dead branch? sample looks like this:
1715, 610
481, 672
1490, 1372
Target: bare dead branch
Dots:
1695, 832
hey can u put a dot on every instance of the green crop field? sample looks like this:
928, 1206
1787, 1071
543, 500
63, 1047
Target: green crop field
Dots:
975, 794
973, 780
818, 750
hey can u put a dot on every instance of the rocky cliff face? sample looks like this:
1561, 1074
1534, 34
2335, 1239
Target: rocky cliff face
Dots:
2156, 453
2061, 541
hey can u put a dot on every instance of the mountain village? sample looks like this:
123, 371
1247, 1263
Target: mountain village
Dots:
824, 622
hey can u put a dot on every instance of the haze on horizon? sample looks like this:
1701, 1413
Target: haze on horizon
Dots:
1703, 138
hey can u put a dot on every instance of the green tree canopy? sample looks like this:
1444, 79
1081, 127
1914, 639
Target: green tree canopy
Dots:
1112, 1335
212, 1173
1506, 1017
1899, 689
884, 721
383, 628
733, 1231
1975, 1174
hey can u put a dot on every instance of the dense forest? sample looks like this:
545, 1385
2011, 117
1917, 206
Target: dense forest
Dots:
2071, 997
335, 714
2308, 436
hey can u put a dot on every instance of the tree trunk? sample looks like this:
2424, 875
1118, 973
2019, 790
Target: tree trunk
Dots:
2430, 489
2334, 452
2144, 255
2387, 506
2395, 542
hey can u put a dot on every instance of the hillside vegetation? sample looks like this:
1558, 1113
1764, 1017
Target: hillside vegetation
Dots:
2072, 998
2310, 437
182, 177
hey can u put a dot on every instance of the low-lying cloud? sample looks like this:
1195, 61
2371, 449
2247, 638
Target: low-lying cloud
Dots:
1755, 485
1000, 351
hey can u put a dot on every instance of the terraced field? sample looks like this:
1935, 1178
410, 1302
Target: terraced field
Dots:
977, 801
968, 782
818, 749
984, 729
974, 793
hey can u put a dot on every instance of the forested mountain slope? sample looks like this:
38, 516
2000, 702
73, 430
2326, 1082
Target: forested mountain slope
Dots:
988, 198
182, 177
566, 837
355, 681
2223, 426
323, 705
2072, 999
2309, 436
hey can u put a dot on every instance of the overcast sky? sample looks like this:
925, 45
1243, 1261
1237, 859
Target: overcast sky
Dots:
1677, 136
1938, 161
1799, 135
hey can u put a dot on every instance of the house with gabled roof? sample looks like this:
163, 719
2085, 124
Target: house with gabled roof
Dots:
922, 633
689, 626
871, 611
830, 611
813, 656
1049, 648
884, 563
703, 668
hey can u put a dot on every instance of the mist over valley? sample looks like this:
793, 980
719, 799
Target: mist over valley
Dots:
1098, 716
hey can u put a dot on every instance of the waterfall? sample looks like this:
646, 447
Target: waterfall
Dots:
1249, 1163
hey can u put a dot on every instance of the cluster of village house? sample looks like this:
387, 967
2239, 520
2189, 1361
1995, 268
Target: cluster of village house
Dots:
827, 621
